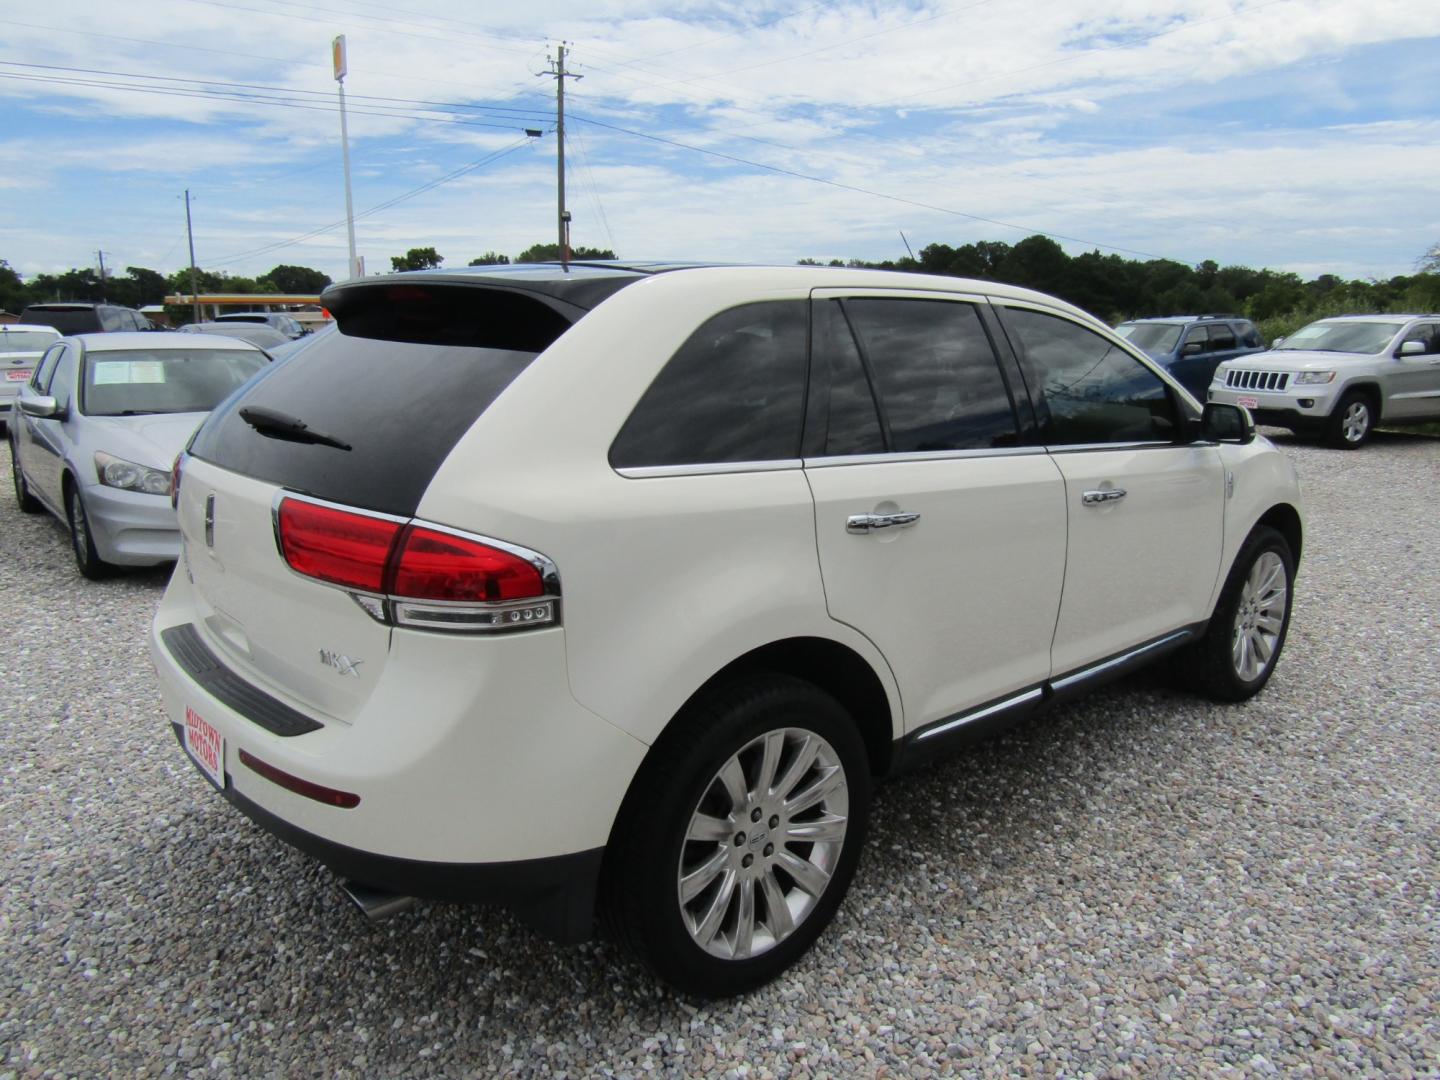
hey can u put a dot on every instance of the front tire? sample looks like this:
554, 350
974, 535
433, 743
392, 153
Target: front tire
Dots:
740, 836
82, 540
1352, 422
1238, 653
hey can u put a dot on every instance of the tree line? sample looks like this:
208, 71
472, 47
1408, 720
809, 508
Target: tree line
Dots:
1111, 286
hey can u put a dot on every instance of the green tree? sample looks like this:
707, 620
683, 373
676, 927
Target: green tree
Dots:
426, 258
551, 253
296, 280
14, 294
1430, 262
490, 258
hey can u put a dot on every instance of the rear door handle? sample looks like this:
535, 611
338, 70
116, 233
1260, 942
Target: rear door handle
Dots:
1103, 495
864, 523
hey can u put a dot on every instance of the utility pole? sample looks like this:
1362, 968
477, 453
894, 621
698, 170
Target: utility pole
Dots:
559, 74
337, 56
190, 235
101, 256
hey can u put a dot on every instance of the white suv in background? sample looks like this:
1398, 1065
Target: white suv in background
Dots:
610, 592
1338, 378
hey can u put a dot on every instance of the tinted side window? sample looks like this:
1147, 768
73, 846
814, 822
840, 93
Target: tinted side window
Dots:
1088, 390
936, 374
1221, 337
1196, 335
733, 392
1249, 336
63, 387
45, 370
841, 402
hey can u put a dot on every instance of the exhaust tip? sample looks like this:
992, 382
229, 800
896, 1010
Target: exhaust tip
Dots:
375, 904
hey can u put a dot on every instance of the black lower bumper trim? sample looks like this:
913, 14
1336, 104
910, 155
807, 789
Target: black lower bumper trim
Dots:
554, 896
202, 665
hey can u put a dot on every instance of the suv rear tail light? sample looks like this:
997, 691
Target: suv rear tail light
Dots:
175, 471
407, 573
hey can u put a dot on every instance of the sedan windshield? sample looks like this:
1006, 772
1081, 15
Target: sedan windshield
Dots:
1344, 337
125, 383
1151, 337
25, 341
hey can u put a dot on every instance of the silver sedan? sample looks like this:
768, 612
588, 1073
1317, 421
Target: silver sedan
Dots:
96, 429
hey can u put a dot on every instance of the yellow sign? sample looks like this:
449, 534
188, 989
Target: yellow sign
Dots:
337, 56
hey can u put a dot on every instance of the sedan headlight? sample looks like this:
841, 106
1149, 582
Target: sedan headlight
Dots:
118, 473
1310, 378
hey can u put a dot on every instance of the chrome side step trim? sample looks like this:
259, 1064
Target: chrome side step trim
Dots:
963, 719
1097, 670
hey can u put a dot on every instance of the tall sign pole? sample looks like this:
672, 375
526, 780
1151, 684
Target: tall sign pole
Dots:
558, 72
190, 235
337, 57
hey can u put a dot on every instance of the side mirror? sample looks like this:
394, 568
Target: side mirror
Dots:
42, 408
1190, 348
1221, 422
1411, 348
1275, 344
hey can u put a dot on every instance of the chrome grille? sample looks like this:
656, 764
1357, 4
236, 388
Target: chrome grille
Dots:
1257, 380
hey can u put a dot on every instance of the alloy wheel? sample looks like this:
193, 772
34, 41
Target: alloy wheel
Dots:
1355, 424
1259, 617
763, 843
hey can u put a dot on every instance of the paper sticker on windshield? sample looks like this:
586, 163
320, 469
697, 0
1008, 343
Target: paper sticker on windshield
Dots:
124, 372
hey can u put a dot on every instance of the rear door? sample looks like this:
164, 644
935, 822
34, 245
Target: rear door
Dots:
941, 537
1144, 509
1413, 390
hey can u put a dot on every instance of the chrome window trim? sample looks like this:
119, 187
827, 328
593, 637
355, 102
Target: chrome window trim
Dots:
719, 468
1148, 444
921, 455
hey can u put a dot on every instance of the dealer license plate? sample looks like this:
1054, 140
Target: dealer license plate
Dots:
206, 746
17, 374
1248, 402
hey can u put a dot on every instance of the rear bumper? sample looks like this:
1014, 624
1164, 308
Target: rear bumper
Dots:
554, 896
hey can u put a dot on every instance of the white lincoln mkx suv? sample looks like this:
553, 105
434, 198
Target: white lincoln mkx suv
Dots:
606, 592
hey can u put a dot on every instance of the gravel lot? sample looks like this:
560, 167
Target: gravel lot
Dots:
1137, 885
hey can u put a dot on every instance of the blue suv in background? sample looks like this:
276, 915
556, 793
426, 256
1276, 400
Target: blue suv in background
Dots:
1191, 347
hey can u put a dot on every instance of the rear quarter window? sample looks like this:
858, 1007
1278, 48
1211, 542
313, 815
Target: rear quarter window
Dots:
734, 392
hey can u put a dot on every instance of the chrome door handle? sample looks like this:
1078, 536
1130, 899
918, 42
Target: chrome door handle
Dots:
864, 523
1105, 495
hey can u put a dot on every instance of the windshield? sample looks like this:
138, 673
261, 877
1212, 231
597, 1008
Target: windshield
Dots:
1152, 337
25, 341
165, 380
1344, 337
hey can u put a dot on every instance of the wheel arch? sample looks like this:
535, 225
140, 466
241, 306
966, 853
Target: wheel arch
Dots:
1285, 519
1371, 390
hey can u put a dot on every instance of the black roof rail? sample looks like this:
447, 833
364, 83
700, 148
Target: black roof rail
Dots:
1221, 315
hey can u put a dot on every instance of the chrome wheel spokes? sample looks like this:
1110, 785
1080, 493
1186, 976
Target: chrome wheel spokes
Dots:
1260, 617
1356, 422
763, 843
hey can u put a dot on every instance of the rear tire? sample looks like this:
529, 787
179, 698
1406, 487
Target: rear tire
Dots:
82, 541
1237, 655
739, 837
1352, 421
28, 503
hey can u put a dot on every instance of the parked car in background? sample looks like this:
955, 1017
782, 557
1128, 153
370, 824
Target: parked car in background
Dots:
1190, 347
21, 347
276, 320
96, 430
85, 318
300, 344
266, 337
1338, 378
610, 591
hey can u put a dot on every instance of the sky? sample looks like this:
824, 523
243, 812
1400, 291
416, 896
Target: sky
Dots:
1300, 135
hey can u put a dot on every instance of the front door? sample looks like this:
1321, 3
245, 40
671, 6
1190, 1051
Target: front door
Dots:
1413, 390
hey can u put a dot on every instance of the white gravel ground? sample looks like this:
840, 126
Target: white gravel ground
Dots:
1141, 884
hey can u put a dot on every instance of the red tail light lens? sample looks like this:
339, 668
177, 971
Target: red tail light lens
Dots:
175, 478
437, 566
415, 575
337, 546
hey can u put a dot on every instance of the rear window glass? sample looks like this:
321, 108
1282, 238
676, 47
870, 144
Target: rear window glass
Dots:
400, 405
67, 320
25, 341
164, 380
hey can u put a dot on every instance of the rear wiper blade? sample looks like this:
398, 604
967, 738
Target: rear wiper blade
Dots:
278, 425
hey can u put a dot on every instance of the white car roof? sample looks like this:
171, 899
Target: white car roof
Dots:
28, 328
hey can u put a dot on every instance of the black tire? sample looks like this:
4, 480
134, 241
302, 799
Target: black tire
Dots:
1213, 666
28, 503
82, 542
1351, 423
650, 856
